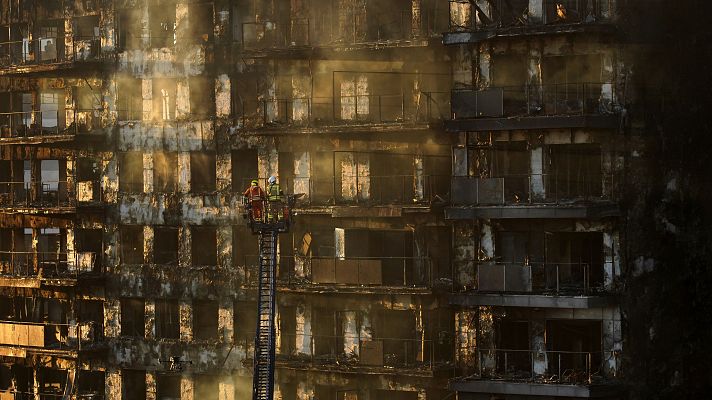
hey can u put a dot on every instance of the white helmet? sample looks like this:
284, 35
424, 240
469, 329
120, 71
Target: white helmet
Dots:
272, 180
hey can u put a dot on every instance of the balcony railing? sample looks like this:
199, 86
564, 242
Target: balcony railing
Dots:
48, 194
45, 51
60, 265
357, 351
367, 190
553, 188
366, 272
545, 278
532, 101
502, 14
51, 336
542, 366
37, 124
421, 107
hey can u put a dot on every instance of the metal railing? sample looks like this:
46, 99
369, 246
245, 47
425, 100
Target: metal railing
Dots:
55, 336
545, 277
499, 14
28, 264
30, 124
532, 100
369, 189
404, 272
552, 188
420, 107
35, 194
355, 350
43, 51
544, 366
274, 35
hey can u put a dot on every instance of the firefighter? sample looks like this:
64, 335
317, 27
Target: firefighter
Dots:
274, 196
255, 197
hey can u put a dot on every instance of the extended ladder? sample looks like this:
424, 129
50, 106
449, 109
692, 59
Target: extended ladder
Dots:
263, 379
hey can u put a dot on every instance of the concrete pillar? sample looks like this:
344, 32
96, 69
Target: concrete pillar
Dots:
112, 388
112, 318
185, 258
267, 161
351, 333
459, 161
303, 329
223, 96
484, 62
148, 244
466, 338
182, 99
464, 257
612, 340
416, 20
611, 267
536, 11
420, 181
226, 319
305, 391
226, 388
109, 179
151, 388
536, 159
486, 357
186, 321
340, 242
150, 318
183, 159
71, 250
147, 96
187, 387
148, 172
349, 176
224, 244
537, 338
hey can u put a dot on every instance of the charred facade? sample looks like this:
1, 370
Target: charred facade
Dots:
460, 230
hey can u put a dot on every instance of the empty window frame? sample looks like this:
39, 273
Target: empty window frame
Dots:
165, 167
131, 172
165, 245
202, 96
202, 172
201, 25
162, 25
244, 168
89, 246
167, 319
245, 321
133, 384
132, 317
164, 99
205, 320
131, 244
204, 245
129, 98
129, 32
574, 171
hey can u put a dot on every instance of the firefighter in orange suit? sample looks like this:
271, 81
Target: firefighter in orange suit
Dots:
255, 197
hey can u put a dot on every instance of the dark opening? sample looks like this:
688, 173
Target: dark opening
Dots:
91, 383
205, 320
202, 94
129, 100
513, 343
392, 178
167, 319
129, 33
328, 332
207, 387
167, 387
200, 17
133, 384
575, 260
396, 330
131, 172
389, 20
165, 245
162, 25
132, 317
131, 244
244, 169
245, 252
322, 183
89, 246
394, 250
202, 172
204, 245
165, 168
574, 171
574, 346
245, 322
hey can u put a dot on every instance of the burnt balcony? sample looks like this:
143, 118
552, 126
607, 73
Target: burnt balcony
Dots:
549, 106
552, 195
348, 274
47, 54
539, 373
49, 196
50, 338
30, 127
373, 110
472, 22
367, 190
348, 352
55, 268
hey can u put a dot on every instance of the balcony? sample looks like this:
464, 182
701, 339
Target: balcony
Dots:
34, 269
348, 353
540, 373
543, 285
549, 106
347, 274
44, 54
32, 127
47, 338
48, 196
552, 195
375, 111
472, 22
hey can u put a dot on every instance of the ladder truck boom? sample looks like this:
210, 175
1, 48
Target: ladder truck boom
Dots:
273, 218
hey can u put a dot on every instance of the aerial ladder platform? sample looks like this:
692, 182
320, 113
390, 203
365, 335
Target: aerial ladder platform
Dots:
274, 218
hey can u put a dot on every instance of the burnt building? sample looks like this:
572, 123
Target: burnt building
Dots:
460, 233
